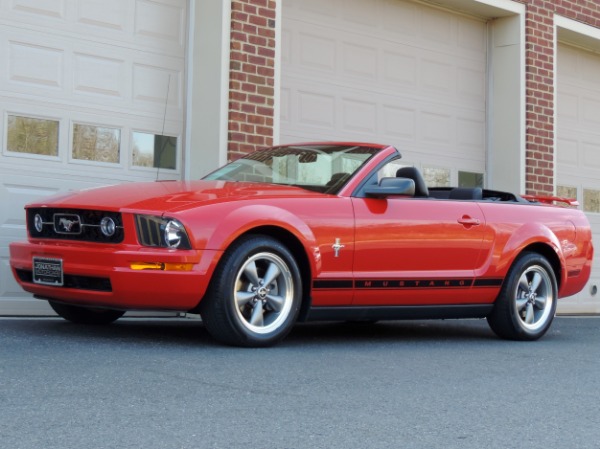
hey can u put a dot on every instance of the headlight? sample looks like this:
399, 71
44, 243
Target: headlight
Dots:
174, 233
162, 232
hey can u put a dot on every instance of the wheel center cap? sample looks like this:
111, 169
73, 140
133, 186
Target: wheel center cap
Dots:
262, 292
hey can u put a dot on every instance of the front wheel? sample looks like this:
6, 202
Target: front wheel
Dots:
85, 315
526, 304
255, 294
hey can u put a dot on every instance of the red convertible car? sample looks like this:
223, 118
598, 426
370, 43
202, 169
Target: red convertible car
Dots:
322, 231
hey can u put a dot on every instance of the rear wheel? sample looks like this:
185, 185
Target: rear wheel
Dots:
85, 315
255, 294
526, 304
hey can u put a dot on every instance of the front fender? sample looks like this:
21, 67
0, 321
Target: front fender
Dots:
237, 222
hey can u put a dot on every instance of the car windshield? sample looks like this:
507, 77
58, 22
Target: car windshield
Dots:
322, 168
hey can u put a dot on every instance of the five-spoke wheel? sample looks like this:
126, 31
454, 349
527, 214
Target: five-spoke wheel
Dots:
534, 297
526, 304
255, 295
264, 292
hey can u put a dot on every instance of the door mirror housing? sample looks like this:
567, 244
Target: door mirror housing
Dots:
391, 187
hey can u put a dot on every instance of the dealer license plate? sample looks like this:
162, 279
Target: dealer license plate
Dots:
48, 271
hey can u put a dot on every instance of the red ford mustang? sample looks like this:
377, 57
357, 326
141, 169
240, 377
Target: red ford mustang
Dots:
326, 231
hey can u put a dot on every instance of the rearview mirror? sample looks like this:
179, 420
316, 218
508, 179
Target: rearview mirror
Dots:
307, 158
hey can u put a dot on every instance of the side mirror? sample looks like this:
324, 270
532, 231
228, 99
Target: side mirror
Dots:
391, 187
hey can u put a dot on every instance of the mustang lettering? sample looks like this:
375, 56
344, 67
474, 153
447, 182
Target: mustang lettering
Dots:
317, 231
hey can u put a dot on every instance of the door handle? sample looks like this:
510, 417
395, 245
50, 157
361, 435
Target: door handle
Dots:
465, 220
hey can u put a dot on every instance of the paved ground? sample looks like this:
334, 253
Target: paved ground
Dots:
166, 384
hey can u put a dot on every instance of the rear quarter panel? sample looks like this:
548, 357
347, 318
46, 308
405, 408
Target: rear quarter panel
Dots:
511, 228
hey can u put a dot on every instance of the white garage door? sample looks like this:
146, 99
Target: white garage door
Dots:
388, 71
91, 93
578, 152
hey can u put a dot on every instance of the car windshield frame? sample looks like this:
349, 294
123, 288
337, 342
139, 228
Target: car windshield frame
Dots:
324, 168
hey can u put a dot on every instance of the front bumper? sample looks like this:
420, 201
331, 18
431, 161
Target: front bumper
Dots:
99, 275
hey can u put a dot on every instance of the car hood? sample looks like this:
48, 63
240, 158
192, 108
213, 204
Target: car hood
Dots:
166, 196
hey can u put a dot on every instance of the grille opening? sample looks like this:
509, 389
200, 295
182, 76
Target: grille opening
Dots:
87, 227
71, 281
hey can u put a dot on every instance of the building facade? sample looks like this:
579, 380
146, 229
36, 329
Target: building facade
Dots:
498, 93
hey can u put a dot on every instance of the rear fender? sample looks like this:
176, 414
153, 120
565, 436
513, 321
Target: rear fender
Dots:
535, 234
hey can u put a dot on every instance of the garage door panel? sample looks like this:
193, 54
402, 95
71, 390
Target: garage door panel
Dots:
578, 151
161, 21
359, 116
107, 14
99, 75
316, 52
56, 8
15, 192
360, 61
591, 155
156, 26
95, 80
438, 129
137, 83
315, 9
569, 108
399, 123
400, 18
567, 154
46, 71
362, 12
470, 136
400, 69
590, 110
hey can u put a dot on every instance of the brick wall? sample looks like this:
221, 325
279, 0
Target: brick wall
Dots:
252, 75
540, 95
252, 79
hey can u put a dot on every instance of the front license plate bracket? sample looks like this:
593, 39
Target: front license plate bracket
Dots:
48, 271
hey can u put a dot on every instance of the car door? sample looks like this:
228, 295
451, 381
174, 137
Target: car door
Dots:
416, 251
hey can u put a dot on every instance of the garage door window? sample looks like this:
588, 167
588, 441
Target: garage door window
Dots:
591, 200
436, 177
470, 179
32, 135
157, 151
566, 192
96, 143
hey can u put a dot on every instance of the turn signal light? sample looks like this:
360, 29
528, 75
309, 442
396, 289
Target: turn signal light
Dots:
161, 266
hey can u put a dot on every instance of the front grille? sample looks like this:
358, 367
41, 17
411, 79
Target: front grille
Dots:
73, 224
71, 281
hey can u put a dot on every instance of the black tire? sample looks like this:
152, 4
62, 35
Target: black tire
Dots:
85, 315
240, 308
526, 305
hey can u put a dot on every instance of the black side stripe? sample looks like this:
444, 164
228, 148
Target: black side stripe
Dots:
399, 284
332, 284
488, 282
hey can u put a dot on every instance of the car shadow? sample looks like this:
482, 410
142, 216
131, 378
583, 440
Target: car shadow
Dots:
184, 332
391, 331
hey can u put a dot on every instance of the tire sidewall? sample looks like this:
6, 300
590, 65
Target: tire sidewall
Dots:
523, 264
236, 258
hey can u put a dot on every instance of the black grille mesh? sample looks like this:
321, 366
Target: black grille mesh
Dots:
150, 230
89, 230
70, 281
